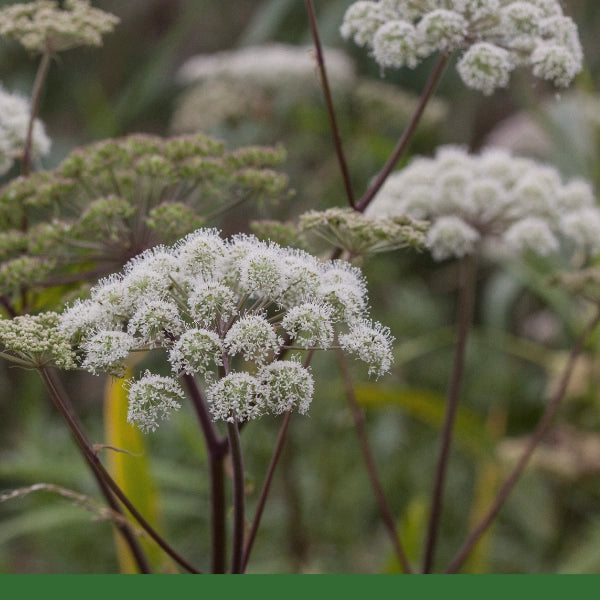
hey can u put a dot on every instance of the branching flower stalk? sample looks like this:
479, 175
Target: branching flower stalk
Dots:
372, 471
264, 492
552, 407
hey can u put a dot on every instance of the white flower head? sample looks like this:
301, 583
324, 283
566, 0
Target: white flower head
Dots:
196, 351
155, 322
263, 273
309, 325
83, 318
286, 385
395, 45
555, 63
533, 234
451, 237
153, 398
106, 351
582, 229
303, 274
236, 397
485, 67
343, 288
371, 343
254, 338
442, 29
361, 22
210, 302
201, 253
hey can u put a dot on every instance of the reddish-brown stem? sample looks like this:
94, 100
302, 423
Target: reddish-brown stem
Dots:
335, 132
359, 423
407, 135
216, 449
465, 310
36, 94
96, 464
239, 501
536, 437
264, 492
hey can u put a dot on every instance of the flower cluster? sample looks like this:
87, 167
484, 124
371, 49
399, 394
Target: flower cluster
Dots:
34, 341
14, 120
493, 199
110, 200
226, 311
495, 36
359, 234
269, 64
226, 87
44, 26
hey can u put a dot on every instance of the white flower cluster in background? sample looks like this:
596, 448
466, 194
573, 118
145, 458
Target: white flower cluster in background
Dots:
269, 65
14, 120
494, 36
492, 200
236, 313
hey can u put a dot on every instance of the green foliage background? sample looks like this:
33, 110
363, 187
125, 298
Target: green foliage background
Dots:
321, 516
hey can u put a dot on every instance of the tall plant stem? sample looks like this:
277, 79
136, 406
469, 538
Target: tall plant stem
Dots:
265, 489
239, 502
123, 526
264, 492
464, 315
538, 434
407, 135
217, 449
36, 95
82, 442
359, 423
337, 140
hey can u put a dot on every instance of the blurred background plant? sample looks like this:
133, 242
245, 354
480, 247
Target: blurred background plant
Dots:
321, 515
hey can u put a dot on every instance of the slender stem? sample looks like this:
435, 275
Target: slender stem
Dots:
36, 94
538, 434
465, 310
239, 519
266, 488
217, 449
123, 525
264, 492
337, 140
95, 462
130, 539
407, 135
359, 423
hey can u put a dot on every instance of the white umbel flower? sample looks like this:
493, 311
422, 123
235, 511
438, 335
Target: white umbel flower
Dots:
152, 398
254, 338
493, 36
236, 397
286, 385
372, 343
474, 201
